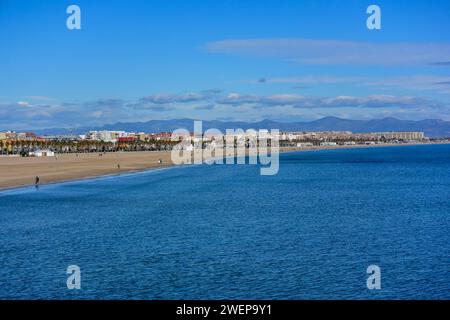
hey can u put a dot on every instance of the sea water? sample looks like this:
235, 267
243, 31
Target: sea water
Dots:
226, 232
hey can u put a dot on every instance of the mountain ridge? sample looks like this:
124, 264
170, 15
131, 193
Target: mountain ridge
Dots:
431, 127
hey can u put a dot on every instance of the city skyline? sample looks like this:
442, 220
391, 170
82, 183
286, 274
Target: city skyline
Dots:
294, 61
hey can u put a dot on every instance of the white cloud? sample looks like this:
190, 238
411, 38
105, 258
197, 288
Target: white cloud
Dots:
20, 115
41, 98
437, 83
440, 84
331, 52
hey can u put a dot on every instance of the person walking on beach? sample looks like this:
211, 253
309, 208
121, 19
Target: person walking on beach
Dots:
118, 166
37, 181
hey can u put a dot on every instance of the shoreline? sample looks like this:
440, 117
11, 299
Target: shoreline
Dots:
89, 178
17, 172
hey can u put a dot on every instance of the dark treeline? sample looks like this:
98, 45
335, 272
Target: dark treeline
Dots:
82, 146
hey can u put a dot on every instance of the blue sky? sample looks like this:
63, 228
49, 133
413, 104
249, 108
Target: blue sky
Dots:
226, 60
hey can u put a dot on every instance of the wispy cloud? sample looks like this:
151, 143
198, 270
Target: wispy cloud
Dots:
305, 102
332, 52
160, 107
164, 98
28, 115
108, 102
313, 79
436, 83
40, 98
210, 106
442, 63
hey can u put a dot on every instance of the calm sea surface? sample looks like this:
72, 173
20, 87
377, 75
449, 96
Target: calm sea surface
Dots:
225, 232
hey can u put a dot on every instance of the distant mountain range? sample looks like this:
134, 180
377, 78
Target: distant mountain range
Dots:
431, 127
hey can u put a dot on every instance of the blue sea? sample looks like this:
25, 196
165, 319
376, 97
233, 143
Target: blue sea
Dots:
226, 232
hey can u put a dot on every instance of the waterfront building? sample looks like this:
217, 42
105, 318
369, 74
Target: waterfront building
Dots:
406, 135
41, 153
304, 144
126, 139
62, 137
328, 143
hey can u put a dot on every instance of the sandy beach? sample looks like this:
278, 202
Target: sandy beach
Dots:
18, 171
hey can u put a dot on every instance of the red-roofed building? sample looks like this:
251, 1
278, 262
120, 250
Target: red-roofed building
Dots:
126, 139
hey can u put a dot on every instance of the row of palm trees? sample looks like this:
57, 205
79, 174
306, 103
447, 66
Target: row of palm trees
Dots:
23, 147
